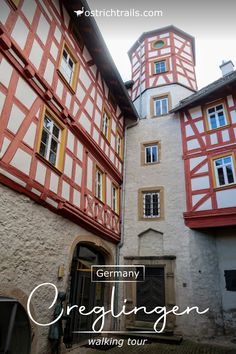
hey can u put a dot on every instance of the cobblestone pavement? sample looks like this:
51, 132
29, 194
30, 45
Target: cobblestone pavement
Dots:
186, 347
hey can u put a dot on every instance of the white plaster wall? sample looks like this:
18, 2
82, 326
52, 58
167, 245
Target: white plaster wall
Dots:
196, 256
177, 93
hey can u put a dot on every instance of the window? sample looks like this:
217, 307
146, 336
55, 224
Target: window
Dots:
99, 188
224, 171
114, 201
216, 116
158, 44
160, 106
106, 125
52, 140
160, 67
151, 204
151, 154
68, 67
119, 146
230, 280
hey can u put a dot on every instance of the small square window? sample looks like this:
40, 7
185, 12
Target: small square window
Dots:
151, 204
216, 116
224, 170
161, 106
150, 153
160, 67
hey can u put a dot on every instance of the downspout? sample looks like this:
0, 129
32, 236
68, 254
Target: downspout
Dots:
121, 243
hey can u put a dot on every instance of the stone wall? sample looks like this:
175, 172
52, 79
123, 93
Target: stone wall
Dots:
33, 243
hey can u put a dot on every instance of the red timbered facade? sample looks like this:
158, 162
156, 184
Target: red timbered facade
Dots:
165, 56
208, 123
54, 100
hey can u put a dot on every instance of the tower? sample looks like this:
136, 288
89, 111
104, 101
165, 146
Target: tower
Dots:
155, 198
162, 63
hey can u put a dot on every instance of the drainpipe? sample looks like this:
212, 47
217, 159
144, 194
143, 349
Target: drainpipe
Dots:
121, 243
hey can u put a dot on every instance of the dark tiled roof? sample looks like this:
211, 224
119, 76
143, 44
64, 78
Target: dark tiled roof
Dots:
206, 91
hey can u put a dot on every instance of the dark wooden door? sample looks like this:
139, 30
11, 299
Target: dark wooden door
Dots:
151, 293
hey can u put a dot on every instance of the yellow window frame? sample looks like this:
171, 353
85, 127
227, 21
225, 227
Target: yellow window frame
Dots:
105, 111
121, 152
54, 118
103, 193
211, 105
117, 206
72, 85
214, 170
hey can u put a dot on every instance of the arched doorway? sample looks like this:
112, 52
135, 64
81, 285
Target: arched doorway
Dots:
15, 331
83, 292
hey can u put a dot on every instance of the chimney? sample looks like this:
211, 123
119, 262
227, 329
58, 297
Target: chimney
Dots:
227, 67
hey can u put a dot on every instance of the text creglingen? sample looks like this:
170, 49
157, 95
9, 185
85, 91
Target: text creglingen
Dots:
99, 322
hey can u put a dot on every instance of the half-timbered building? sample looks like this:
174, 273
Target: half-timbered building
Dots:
63, 111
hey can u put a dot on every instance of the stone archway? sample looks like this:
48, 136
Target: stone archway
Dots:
87, 251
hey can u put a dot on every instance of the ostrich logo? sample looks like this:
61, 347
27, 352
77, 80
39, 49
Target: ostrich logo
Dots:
79, 12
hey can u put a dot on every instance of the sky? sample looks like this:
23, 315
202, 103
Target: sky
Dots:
211, 22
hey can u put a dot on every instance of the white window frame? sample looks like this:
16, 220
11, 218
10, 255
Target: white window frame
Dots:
216, 115
66, 70
99, 184
224, 165
51, 138
161, 69
151, 147
105, 124
161, 100
151, 194
114, 198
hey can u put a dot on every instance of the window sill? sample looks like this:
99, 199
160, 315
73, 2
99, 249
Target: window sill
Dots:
163, 72
209, 131
162, 115
71, 88
161, 218
150, 163
228, 186
46, 162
